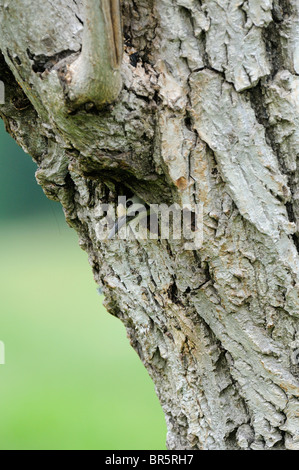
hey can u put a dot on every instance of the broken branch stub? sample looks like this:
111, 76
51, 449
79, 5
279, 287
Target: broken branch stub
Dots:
95, 76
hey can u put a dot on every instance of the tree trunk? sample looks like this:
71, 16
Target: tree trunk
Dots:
208, 113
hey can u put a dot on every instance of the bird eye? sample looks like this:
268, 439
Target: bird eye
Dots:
129, 203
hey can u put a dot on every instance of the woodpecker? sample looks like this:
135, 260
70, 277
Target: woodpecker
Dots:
135, 210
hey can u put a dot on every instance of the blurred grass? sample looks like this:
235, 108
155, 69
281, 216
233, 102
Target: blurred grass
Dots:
71, 379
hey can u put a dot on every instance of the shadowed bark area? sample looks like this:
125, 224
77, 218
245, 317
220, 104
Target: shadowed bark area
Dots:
208, 113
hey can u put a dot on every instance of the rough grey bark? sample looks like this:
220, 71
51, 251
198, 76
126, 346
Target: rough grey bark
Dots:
208, 112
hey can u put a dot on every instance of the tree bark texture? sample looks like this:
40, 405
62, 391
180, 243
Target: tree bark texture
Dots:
208, 113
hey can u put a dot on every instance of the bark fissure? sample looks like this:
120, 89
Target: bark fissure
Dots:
43, 63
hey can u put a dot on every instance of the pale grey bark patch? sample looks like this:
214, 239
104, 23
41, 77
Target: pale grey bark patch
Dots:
234, 42
208, 114
244, 157
94, 78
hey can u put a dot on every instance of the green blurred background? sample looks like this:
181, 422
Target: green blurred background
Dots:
71, 379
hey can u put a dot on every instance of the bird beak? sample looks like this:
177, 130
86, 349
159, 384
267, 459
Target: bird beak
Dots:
135, 212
